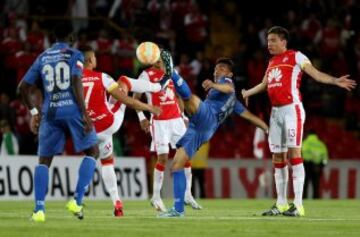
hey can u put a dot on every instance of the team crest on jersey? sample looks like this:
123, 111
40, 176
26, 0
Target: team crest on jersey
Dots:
285, 59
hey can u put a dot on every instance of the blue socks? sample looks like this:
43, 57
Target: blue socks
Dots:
41, 179
86, 173
179, 185
181, 86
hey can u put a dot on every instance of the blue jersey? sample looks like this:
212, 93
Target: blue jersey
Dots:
210, 114
56, 67
222, 104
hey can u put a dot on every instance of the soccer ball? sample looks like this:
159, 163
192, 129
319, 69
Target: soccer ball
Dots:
148, 53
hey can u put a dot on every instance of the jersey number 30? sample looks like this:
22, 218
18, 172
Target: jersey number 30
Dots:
58, 75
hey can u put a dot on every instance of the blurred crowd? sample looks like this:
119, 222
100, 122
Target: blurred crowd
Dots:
327, 31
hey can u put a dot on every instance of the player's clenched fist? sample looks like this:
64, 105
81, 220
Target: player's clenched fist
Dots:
207, 84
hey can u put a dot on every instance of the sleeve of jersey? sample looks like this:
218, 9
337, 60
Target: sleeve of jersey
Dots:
33, 74
77, 65
144, 76
239, 108
226, 80
301, 59
108, 82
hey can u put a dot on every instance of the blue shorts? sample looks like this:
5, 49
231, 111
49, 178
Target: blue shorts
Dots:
202, 126
52, 136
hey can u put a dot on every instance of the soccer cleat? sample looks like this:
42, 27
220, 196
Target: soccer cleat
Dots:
294, 211
191, 202
75, 209
171, 213
164, 82
158, 204
168, 62
118, 209
38, 216
276, 210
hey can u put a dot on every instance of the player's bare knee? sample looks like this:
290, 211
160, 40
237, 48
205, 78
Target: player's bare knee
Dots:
294, 153
192, 105
162, 159
93, 152
45, 161
279, 157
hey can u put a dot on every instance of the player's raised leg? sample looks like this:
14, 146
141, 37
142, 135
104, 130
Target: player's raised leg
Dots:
137, 86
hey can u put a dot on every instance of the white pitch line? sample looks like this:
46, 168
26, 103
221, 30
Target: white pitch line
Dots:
235, 218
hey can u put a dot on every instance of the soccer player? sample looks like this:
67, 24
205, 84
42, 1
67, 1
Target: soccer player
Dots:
206, 117
282, 81
59, 70
166, 129
108, 117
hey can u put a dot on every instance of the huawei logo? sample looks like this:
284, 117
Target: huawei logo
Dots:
167, 95
274, 74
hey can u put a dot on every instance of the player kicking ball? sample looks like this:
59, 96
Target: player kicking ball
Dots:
108, 116
205, 117
166, 129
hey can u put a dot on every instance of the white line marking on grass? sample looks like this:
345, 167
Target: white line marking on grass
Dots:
271, 218
208, 218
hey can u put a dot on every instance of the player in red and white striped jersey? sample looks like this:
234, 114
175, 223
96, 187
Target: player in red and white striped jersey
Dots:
282, 81
166, 128
107, 116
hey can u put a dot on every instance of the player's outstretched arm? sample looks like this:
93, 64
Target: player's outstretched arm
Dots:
255, 90
226, 88
246, 114
343, 81
120, 95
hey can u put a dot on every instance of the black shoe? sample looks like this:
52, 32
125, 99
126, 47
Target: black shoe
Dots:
294, 211
275, 210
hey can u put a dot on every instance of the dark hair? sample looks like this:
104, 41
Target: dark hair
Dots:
280, 31
86, 48
226, 61
62, 30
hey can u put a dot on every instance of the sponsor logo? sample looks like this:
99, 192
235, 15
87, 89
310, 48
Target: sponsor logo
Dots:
274, 77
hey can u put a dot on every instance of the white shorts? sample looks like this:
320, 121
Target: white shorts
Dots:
165, 132
106, 137
286, 127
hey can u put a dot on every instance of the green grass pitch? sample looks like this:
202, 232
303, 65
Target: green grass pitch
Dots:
218, 218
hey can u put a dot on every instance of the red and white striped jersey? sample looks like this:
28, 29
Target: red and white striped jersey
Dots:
284, 77
96, 85
166, 99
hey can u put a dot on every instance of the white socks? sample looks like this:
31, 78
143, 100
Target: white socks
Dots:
281, 180
158, 181
188, 176
109, 178
298, 176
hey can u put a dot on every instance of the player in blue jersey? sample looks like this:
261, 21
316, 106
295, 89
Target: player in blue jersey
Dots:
58, 71
206, 117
